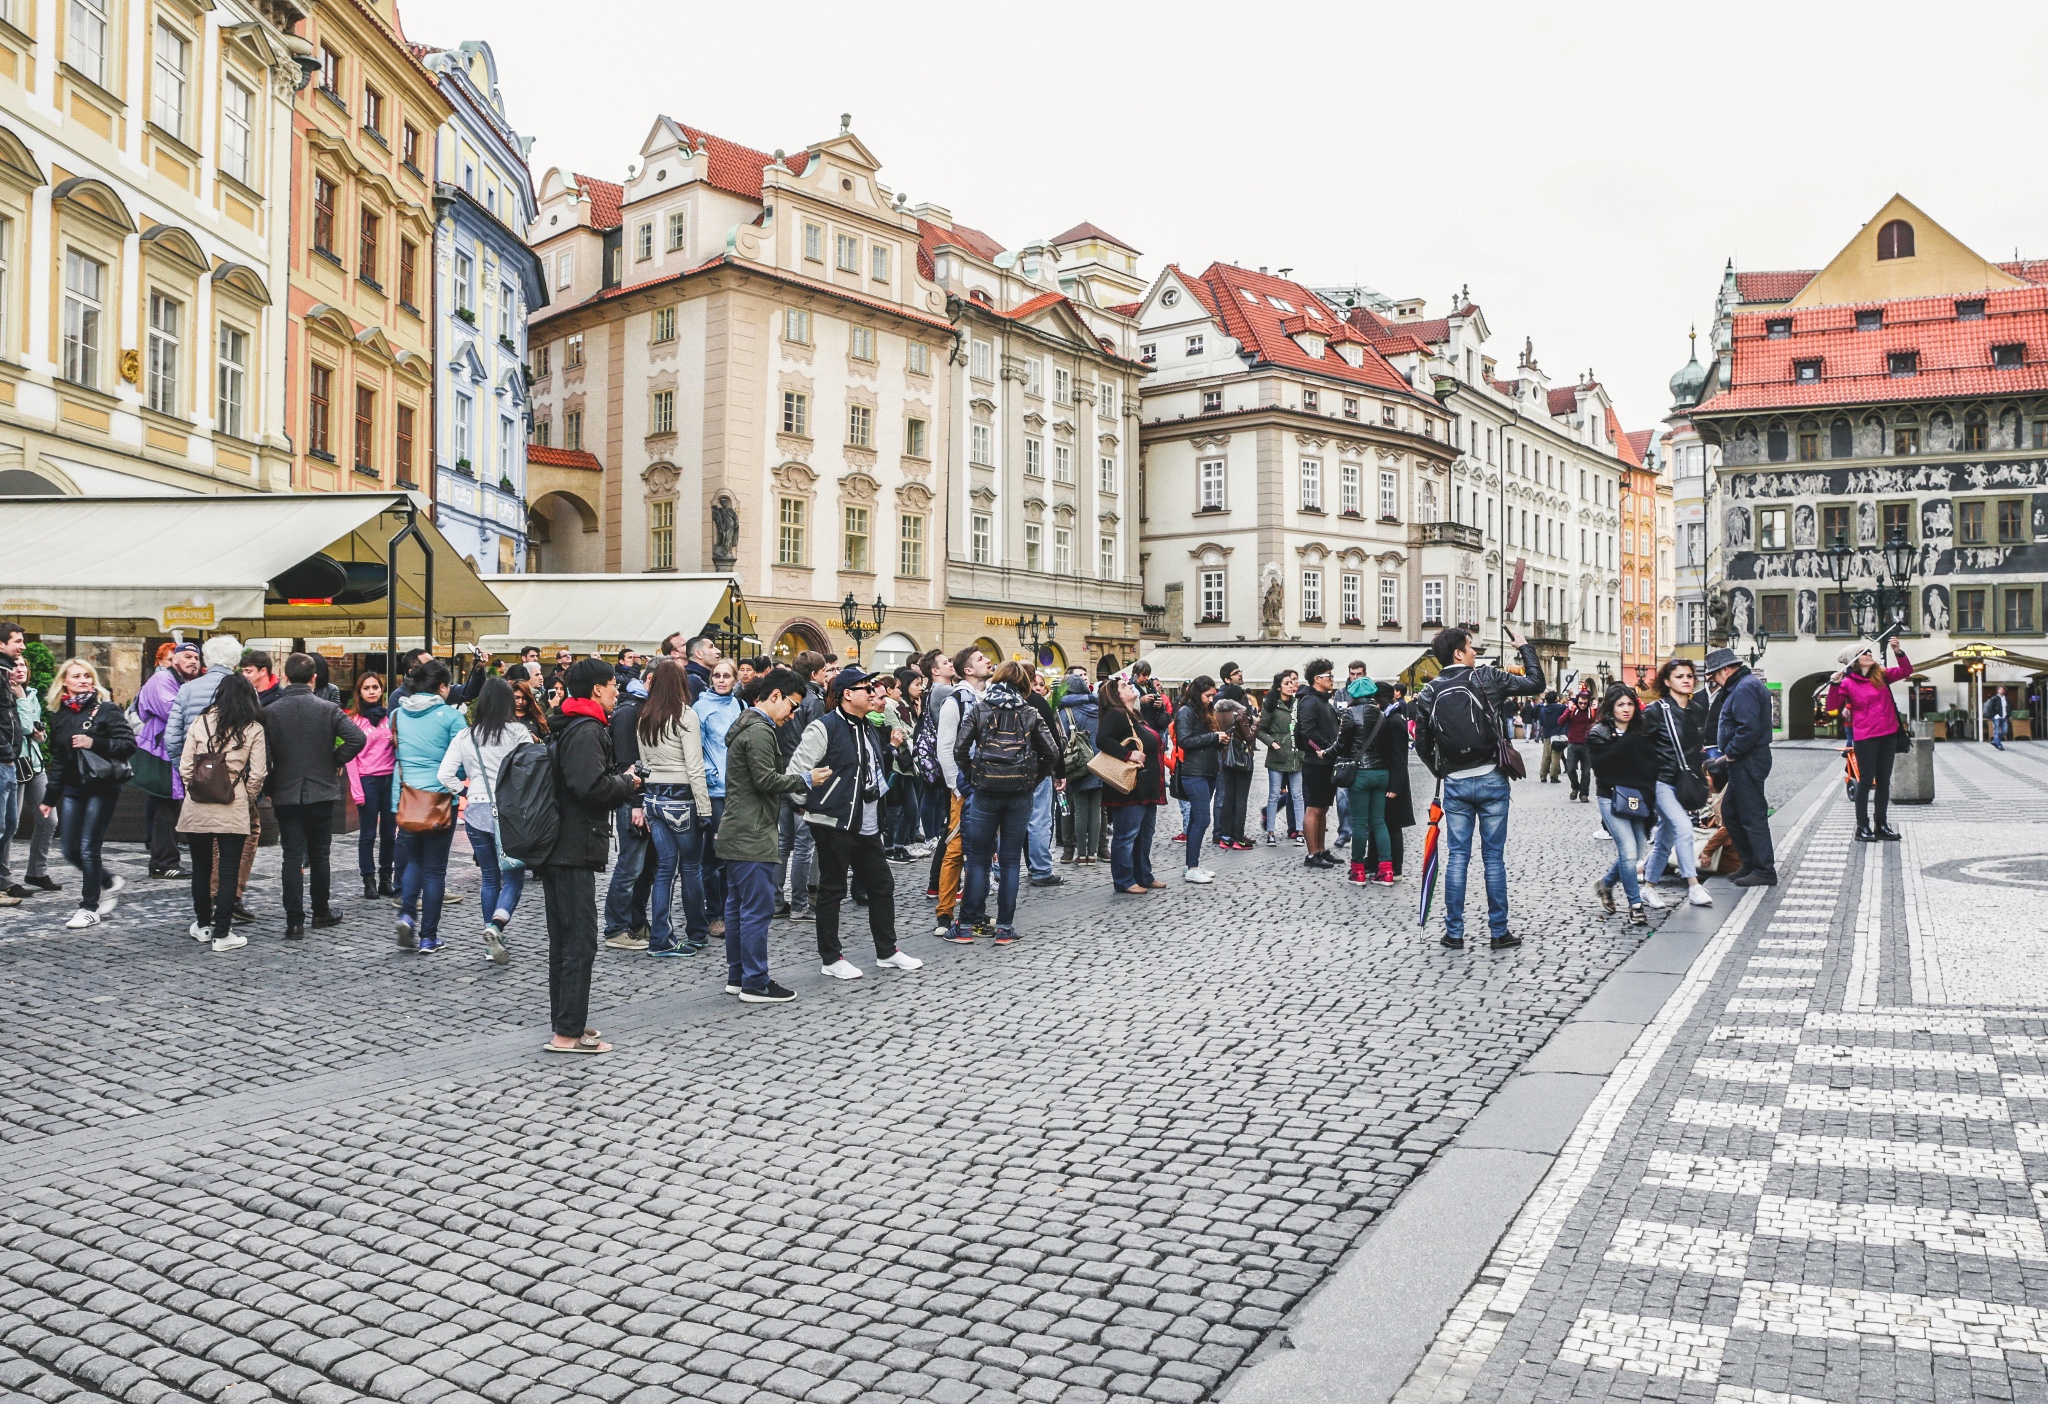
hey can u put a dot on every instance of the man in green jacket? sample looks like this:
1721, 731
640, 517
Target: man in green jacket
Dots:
755, 784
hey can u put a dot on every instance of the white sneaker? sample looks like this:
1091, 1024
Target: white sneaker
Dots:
843, 969
201, 934
1197, 875
900, 961
1699, 896
233, 941
82, 918
111, 883
1651, 899
107, 903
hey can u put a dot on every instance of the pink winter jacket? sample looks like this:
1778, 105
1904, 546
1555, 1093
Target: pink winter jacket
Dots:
374, 759
1872, 712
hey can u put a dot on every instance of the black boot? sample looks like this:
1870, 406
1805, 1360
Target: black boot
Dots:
370, 887
385, 889
1866, 835
1886, 832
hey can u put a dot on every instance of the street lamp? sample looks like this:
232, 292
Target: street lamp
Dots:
849, 616
1880, 611
729, 633
1034, 633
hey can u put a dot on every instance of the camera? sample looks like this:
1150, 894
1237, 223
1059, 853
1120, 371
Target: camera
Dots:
640, 769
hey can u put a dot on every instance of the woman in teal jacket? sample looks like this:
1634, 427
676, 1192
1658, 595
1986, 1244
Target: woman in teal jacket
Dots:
717, 708
423, 727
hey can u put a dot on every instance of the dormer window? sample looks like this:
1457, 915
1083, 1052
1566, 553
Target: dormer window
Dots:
1903, 363
2010, 356
1280, 302
1871, 319
1212, 401
1806, 372
1970, 310
1311, 401
1778, 328
1353, 355
1895, 240
1310, 342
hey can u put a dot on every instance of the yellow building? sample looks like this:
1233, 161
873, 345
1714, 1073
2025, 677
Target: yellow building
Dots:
144, 169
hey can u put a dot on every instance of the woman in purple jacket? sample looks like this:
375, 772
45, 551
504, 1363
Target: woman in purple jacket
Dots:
1865, 689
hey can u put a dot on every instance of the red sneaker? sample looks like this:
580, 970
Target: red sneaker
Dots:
1357, 875
1386, 875
1180, 837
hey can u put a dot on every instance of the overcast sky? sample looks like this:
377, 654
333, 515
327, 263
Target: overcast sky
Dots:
1585, 169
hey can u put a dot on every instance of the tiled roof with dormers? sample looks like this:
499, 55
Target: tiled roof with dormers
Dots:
932, 238
1433, 331
562, 458
1245, 303
735, 168
1565, 401
605, 198
1773, 286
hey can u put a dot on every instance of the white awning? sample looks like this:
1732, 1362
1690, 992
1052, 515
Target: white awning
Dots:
1178, 663
198, 562
604, 613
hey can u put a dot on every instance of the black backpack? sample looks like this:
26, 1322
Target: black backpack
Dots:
1458, 730
1005, 761
527, 803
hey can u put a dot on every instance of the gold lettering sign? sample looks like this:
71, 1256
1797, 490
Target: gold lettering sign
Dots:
187, 616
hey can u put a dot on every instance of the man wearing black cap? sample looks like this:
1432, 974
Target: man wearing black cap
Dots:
845, 816
1741, 712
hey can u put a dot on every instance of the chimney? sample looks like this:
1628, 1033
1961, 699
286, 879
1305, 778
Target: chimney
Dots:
932, 214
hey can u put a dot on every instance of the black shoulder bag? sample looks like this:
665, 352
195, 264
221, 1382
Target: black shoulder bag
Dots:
1690, 787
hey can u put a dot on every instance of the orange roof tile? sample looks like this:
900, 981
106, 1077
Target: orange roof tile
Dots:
1954, 355
1638, 441
1259, 326
1565, 401
604, 200
1126, 309
1777, 286
1043, 300
933, 238
1085, 230
736, 168
562, 458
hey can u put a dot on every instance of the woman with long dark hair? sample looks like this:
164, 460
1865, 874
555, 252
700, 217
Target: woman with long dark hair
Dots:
474, 761
527, 708
1122, 733
90, 739
1623, 745
1235, 716
1200, 739
1679, 720
678, 806
1361, 740
229, 733
1283, 757
369, 783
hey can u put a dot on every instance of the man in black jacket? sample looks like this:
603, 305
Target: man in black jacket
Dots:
1741, 726
799, 850
589, 788
1315, 732
1463, 750
632, 883
309, 740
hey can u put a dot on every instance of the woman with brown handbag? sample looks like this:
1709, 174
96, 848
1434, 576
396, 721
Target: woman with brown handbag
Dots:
223, 764
423, 727
1132, 806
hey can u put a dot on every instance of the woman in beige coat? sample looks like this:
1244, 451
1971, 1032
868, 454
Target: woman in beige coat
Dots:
232, 728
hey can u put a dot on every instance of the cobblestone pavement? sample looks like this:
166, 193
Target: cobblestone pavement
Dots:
1103, 1162
1820, 1177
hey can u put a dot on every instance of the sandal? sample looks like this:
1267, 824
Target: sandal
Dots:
581, 1045
1138, 890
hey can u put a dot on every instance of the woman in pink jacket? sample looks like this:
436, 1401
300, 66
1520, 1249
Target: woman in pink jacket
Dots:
369, 783
1865, 690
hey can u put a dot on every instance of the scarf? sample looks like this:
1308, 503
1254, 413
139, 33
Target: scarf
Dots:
79, 701
372, 713
583, 707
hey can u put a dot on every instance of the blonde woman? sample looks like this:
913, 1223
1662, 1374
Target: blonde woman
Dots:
90, 742
229, 734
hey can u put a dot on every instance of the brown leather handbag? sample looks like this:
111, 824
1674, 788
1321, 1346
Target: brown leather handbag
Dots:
420, 811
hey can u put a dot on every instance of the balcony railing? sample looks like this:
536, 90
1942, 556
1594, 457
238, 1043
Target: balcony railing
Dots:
1550, 633
1155, 620
1450, 534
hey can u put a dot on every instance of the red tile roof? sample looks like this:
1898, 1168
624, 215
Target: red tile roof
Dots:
1638, 441
1954, 355
737, 168
2034, 270
1085, 230
604, 201
1433, 331
1565, 401
1030, 305
932, 238
1780, 286
1126, 309
1259, 326
562, 458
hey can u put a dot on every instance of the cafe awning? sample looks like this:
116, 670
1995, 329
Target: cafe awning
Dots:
262, 564
604, 613
1178, 663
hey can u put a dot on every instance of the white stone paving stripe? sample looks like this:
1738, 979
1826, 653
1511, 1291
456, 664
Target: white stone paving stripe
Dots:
2020, 1045
1776, 982
1743, 1394
1906, 1157
1836, 1055
1741, 1070
1784, 963
1942, 1325
1868, 946
1895, 1101
1895, 1022
1800, 926
2032, 1136
1754, 1033
1695, 1111
1788, 944
1647, 1345
1684, 1247
2029, 1085
1719, 1174
1881, 1225
1767, 1006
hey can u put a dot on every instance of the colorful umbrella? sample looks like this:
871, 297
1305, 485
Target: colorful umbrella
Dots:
1432, 858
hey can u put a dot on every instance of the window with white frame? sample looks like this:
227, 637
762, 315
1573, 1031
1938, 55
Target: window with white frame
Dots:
1311, 597
981, 361
1034, 457
1432, 602
849, 253
664, 323
878, 262
1390, 600
661, 418
1211, 589
814, 243
643, 240
1428, 512
910, 544
861, 344
1210, 475
87, 50
1034, 376
505, 442
1062, 386
1063, 550
980, 445
856, 550
796, 412
167, 99
1353, 598
1312, 401
1194, 345
1034, 541
1106, 475
1105, 561
1468, 602
1350, 489
796, 326
914, 439
565, 270
979, 534
465, 278
84, 304
1062, 464
465, 410
1105, 399
1311, 485
237, 129
860, 426
231, 389
1390, 497
675, 230
918, 360
161, 368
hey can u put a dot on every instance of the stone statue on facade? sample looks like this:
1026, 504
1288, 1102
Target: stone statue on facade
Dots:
1272, 603
725, 524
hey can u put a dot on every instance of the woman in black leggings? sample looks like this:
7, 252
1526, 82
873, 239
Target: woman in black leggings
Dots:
1864, 688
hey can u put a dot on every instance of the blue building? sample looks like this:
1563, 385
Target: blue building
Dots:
487, 282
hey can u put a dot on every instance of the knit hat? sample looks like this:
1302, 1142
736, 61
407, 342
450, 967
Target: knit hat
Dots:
1854, 651
1358, 689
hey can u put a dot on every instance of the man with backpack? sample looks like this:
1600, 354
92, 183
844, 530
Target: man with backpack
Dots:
972, 668
1460, 737
1004, 750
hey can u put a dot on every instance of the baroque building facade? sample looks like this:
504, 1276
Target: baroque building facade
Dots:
1691, 466
748, 365
144, 178
360, 335
487, 284
1897, 397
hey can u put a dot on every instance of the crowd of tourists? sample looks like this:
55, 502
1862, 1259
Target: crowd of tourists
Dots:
725, 794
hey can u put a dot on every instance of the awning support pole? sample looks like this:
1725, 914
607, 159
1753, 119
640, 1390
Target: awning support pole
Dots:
411, 529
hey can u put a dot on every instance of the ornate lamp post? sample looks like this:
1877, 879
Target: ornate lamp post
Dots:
1034, 633
1880, 611
860, 629
729, 632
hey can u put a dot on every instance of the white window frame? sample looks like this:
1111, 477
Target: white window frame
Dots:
506, 435
661, 415
1212, 480
231, 381
981, 361
1034, 546
814, 243
1433, 603
981, 445
1106, 475
1034, 376
860, 426
1105, 399
1390, 599
980, 530
916, 437
1311, 595
1390, 496
796, 326
1062, 463
1311, 484
1211, 596
165, 345
1034, 457
1351, 489
1106, 558
643, 240
878, 263
237, 130
86, 39
1351, 597
170, 55
85, 279
664, 325
847, 249
796, 413
861, 343
678, 230
1062, 550
465, 276
918, 358
1194, 346
1062, 385
465, 410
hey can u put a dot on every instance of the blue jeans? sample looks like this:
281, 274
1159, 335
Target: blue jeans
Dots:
10, 816
1630, 837
82, 821
799, 851
678, 853
749, 907
1038, 838
1289, 781
502, 889
625, 900
1674, 835
994, 831
935, 812
423, 881
376, 828
1342, 809
2001, 728
1131, 827
1483, 800
1201, 802
710, 868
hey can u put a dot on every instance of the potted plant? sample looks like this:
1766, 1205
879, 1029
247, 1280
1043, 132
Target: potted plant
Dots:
505, 486
466, 314
462, 467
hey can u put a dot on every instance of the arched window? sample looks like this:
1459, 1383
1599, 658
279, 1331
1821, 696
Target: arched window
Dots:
1841, 444
1777, 442
1895, 240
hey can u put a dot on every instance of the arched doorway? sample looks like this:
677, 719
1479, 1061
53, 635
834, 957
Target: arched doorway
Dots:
1052, 656
1801, 700
891, 651
796, 636
562, 535
1106, 666
995, 651
20, 482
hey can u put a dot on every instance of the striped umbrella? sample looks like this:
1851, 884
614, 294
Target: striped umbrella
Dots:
1432, 858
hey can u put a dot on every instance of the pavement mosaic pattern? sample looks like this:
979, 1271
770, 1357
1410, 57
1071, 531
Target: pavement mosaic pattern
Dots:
1820, 1178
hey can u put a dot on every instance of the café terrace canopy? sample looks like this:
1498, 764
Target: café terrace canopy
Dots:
604, 613
1179, 663
262, 565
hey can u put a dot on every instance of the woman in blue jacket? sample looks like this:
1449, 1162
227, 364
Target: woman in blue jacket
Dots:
717, 707
1080, 712
423, 727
